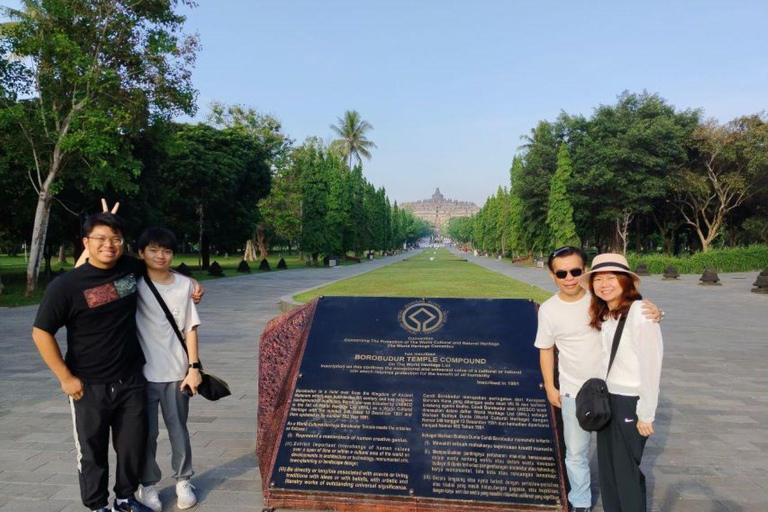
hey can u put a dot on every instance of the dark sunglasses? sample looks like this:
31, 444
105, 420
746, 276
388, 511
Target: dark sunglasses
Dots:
575, 272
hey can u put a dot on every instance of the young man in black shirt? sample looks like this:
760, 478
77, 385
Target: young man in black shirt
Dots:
102, 371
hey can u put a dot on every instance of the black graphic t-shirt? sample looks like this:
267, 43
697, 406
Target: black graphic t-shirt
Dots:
98, 308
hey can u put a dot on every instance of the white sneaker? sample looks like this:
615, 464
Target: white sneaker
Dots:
149, 497
185, 495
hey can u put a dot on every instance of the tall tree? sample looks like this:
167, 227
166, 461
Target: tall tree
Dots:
280, 212
275, 145
730, 165
93, 72
267, 129
518, 239
539, 162
210, 184
622, 158
352, 144
338, 220
314, 197
562, 230
460, 229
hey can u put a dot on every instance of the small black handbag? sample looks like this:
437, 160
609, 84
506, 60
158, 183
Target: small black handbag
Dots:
212, 387
593, 405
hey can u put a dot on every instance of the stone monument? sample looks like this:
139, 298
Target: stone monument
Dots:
761, 283
405, 405
215, 270
671, 273
710, 278
438, 210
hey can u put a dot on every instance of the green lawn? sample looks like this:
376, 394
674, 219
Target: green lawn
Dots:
445, 275
13, 269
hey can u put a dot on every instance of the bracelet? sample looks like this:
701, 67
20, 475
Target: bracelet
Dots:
196, 365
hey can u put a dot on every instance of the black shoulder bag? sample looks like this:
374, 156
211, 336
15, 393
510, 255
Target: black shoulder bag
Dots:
593, 405
212, 387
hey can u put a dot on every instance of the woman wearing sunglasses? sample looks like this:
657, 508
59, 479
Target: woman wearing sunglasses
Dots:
633, 380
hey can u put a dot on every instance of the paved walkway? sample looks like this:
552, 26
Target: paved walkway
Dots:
710, 454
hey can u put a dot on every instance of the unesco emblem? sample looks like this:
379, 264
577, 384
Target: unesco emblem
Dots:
422, 317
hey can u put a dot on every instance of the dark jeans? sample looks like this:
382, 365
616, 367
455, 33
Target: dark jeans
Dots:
122, 407
619, 452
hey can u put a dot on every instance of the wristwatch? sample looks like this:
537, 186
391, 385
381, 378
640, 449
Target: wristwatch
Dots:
196, 364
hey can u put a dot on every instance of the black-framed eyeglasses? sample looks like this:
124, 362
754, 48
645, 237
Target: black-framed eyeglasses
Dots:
575, 272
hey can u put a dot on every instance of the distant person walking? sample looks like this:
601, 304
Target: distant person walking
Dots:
633, 381
564, 322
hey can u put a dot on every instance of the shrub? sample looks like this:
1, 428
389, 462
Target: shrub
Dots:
730, 259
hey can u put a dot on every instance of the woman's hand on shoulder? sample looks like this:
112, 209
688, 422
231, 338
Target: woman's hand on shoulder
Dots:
651, 311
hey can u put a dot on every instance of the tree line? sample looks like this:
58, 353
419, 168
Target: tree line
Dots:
87, 98
639, 175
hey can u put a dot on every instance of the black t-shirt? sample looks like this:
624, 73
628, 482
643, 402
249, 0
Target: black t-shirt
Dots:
98, 308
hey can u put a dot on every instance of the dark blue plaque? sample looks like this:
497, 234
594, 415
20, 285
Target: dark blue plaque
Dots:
429, 398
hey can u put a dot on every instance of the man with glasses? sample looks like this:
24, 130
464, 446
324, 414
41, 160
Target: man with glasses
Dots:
564, 323
102, 371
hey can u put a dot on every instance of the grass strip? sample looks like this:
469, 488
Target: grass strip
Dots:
432, 273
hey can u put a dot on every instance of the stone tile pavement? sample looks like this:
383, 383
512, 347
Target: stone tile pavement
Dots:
709, 454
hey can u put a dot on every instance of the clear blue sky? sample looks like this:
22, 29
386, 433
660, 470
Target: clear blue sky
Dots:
451, 86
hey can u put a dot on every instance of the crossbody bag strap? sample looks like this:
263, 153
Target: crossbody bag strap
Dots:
167, 312
616, 340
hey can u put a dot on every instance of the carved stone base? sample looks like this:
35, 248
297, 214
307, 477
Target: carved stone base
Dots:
357, 503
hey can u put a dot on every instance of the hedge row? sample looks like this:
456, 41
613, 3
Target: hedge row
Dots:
733, 259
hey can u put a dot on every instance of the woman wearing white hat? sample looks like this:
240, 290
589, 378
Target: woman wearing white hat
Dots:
633, 380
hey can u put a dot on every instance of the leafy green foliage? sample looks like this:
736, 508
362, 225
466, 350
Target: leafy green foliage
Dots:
622, 157
353, 143
641, 173
210, 183
729, 259
562, 230
729, 165
461, 229
90, 75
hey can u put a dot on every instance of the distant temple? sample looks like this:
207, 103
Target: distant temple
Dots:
438, 210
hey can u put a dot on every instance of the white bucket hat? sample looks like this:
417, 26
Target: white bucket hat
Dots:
608, 262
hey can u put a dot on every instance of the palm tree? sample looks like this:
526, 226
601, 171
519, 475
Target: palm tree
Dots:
353, 143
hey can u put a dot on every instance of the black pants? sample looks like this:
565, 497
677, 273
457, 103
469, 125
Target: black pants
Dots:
619, 451
122, 407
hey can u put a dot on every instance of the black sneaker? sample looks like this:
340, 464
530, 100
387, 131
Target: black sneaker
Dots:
132, 505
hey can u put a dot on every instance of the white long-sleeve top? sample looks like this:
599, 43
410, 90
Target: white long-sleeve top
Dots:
636, 371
